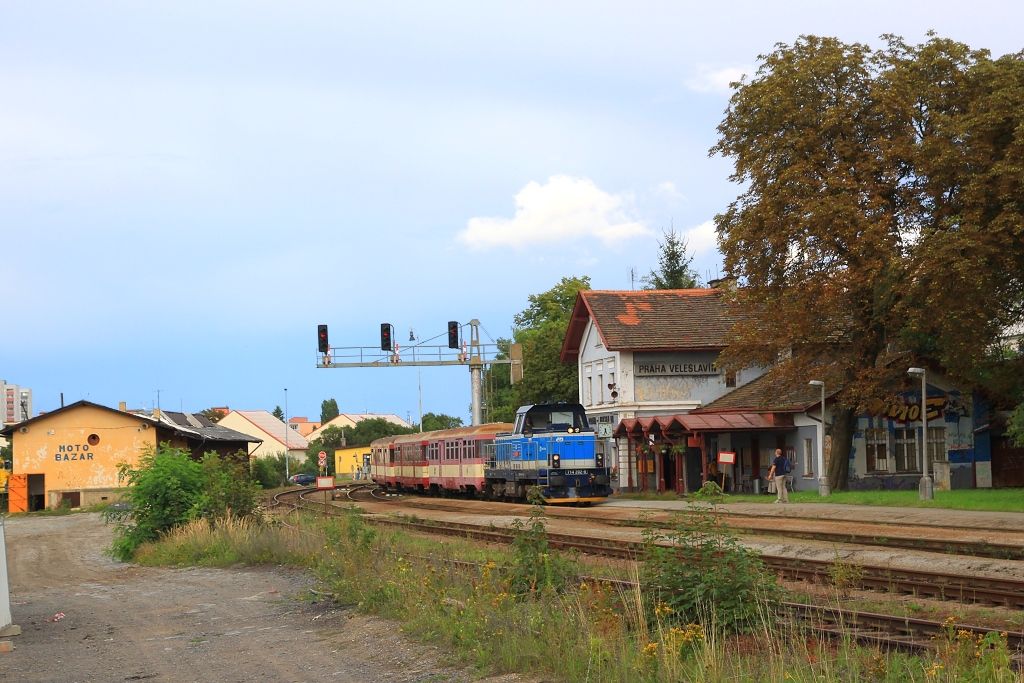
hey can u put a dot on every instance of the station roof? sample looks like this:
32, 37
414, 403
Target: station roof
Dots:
194, 427
651, 320
767, 393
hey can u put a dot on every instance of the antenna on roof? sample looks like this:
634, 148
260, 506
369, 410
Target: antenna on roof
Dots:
632, 278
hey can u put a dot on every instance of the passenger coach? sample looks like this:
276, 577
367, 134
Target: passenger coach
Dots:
449, 460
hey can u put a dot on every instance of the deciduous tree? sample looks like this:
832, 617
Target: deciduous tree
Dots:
540, 329
880, 211
434, 421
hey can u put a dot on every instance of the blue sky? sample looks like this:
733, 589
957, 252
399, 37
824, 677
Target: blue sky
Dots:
187, 189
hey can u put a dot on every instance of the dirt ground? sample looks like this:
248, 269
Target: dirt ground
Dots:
86, 617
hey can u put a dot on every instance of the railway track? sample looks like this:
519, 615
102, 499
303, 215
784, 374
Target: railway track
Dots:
983, 590
881, 630
998, 543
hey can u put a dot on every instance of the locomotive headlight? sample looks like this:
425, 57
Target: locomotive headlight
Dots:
556, 461
600, 459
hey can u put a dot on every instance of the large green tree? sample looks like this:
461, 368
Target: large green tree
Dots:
540, 329
881, 210
435, 421
328, 410
674, 265
500, 402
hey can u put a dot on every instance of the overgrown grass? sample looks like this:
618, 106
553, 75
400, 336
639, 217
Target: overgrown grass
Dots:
519, 611
994, 500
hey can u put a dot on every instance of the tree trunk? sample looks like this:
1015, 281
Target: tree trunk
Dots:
843, 422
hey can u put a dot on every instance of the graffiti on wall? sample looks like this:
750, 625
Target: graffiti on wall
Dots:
948, 406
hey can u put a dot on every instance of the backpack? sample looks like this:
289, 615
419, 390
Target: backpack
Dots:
786, 467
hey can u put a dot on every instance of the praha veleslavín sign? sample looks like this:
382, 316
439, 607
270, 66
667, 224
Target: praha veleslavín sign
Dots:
669, 368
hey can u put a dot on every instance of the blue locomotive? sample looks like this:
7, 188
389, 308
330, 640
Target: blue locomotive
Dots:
551, 446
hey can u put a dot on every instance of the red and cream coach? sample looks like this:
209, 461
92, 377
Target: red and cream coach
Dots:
450, 460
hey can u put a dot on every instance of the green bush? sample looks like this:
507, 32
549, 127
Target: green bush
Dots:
698, 569
269, 472
168, 489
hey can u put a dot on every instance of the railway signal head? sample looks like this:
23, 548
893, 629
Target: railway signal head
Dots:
386, 344
453, 334
321, 338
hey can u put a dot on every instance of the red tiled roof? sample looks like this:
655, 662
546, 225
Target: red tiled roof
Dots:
767, 393
651, 320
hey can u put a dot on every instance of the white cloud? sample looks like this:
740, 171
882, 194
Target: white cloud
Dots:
709, 79
668, 189
701, 239
565, 209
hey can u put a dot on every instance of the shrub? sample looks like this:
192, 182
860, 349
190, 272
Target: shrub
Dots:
269, 472
534, 568
168, 489
699, 567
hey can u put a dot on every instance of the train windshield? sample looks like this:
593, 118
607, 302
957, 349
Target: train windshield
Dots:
552, 418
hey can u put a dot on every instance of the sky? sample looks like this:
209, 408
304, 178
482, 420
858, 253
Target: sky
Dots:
188, 188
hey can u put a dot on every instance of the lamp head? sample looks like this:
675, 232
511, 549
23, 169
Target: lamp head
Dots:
918, 372
816, 383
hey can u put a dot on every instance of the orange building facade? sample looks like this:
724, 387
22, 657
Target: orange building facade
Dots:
71, 456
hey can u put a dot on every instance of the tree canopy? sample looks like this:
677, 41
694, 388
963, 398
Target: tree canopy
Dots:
674, 265
328, 410
435, 421
540, 329
278, 413
881, 210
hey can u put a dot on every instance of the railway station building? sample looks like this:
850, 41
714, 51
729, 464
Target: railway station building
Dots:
71, 455
671, 419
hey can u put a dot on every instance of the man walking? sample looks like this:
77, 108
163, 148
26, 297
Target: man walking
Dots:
780, 474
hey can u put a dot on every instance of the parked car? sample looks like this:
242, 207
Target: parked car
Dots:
302, 479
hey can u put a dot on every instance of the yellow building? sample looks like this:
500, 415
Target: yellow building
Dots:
348, 460
71, 455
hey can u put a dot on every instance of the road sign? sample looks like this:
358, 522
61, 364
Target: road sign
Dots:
321, 458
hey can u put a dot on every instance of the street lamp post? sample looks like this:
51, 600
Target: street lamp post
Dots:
925, 489
823, 487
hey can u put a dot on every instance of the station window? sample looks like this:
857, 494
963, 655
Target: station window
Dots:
905, 450
876, 448
730, 378
808, 458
